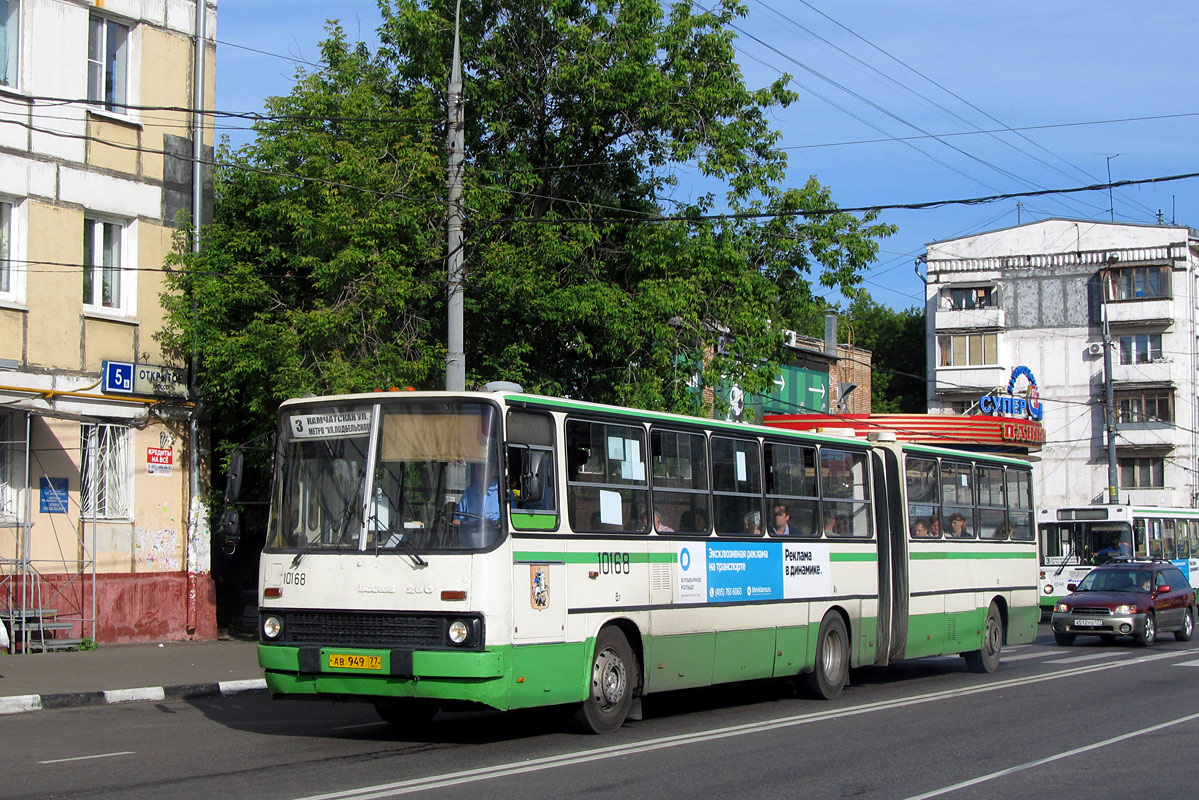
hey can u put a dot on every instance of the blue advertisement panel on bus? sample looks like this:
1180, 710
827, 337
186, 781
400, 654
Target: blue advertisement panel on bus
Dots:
738, 572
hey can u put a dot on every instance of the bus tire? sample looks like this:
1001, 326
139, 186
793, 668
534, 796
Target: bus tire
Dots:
986, 658
611, 685
828, 675
407, 713
1183, 634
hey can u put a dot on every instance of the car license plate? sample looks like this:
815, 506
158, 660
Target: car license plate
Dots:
1087, 623
347, 661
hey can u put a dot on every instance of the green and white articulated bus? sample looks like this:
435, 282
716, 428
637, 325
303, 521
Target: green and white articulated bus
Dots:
429, 549
1074, 539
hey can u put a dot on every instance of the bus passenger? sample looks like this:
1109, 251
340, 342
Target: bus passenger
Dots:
920, 529
957, 525
782, 521
934, 526
832, 526
752, 526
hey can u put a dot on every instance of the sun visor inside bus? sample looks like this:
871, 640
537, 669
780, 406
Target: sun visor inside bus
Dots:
433, 437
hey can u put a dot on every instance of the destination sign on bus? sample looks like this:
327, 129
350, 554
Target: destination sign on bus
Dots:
336, 425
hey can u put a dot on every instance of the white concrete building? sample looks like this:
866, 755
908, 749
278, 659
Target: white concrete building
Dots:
1038, 295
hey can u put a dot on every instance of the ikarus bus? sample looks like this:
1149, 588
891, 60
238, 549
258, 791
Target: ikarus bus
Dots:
1074, 539
430, 549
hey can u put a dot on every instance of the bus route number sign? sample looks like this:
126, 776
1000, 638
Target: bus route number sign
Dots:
349, 661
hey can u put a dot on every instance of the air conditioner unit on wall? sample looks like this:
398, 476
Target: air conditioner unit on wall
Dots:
1095, 348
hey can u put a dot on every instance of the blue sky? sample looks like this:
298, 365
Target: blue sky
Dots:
1061, 84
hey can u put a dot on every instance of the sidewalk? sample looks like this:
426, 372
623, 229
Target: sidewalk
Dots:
117, 673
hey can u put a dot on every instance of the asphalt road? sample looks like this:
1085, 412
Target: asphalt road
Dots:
1090, 720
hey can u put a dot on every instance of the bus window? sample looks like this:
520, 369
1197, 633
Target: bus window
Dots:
1019, 498
680, 477
845, 491
1185, 537
1168, 548
791, 485
923, 499
1155, 538
957, 500
992, 508
531, 492
736, 483
606, 483
1141, 528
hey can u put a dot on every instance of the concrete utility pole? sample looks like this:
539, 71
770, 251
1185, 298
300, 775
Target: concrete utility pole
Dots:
455, 357
1111, 205
1113, 475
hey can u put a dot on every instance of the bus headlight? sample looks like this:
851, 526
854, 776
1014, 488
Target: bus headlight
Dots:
272, 626
458, 632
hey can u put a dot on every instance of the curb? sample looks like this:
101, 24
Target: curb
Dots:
21, 703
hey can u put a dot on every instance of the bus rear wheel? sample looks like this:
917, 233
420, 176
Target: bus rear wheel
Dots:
986, 658
610, 690
827, 678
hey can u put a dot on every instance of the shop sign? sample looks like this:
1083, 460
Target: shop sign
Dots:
1012, 404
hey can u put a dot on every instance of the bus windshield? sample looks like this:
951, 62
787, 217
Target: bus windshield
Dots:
1084, 543
403, 476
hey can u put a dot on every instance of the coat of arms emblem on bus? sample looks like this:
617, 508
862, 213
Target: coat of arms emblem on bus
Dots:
539, 586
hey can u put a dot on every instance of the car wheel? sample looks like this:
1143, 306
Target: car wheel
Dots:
613, 680
1183, 634
1064, 639
827, 678
1149, 633
986, 658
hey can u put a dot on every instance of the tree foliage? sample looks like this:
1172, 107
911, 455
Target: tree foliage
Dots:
590, 271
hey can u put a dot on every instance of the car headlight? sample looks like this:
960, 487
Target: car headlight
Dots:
1061, 607
1126, 608
272, 626
458, 631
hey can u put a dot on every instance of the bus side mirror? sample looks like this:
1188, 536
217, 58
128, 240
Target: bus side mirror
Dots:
230, 529
532, 477
233, 477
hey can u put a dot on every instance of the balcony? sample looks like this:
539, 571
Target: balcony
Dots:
1140, 312
1161, 371
948, 319
970, 380
1159, 436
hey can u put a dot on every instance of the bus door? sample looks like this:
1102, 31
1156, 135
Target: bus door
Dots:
892, 558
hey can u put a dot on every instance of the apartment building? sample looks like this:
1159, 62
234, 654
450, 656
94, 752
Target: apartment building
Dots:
1050, 296
102, 532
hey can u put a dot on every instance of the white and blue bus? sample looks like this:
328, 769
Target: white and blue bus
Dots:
513, 550
1074, 539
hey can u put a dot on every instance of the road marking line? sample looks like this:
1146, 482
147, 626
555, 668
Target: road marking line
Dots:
1004, 657
1087, 657
129, 695
616, 751
1050, 759
87, 758
1194, 663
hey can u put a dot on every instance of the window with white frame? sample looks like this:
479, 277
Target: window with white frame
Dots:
106, 471
6, 249
8, 451
107, 63
968, 298
10, 40
104, 279
1140, 348
969, 349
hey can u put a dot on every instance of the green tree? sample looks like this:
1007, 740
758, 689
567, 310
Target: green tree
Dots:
590, 273
896, 340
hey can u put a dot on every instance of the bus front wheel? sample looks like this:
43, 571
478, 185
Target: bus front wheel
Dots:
610, 689
986, 658
828, 676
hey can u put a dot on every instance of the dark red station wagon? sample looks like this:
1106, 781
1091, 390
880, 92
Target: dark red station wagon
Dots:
1127, 598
